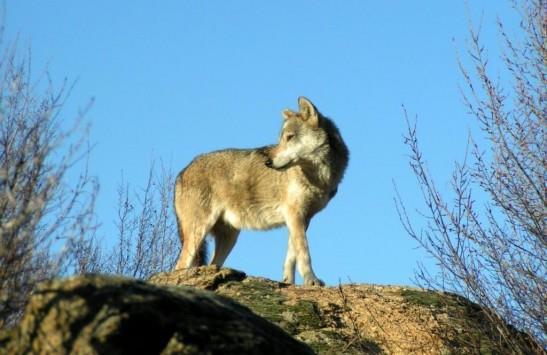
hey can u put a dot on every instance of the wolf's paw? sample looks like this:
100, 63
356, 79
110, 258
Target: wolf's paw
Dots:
313, 281
288, 280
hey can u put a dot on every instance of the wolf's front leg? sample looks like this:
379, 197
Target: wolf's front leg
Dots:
297, 237
290, 264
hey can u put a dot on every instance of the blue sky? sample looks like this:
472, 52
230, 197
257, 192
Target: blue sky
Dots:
173, 79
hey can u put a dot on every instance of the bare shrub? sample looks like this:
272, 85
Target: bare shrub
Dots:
46, 206
147, 238
495, 252
47, 197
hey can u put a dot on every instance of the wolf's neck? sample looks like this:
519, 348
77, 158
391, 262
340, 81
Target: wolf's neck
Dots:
327, 171
322, 174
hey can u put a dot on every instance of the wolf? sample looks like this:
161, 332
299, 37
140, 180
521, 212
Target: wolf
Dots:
222, 192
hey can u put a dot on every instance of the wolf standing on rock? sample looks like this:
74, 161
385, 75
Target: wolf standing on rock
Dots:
285, 184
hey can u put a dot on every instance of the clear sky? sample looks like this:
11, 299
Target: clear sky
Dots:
173, 79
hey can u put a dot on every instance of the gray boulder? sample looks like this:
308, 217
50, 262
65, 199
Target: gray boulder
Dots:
110, 315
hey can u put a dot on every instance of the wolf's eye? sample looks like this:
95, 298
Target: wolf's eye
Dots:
289, 137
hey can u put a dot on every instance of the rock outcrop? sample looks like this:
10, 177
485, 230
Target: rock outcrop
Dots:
208, 310
355, 319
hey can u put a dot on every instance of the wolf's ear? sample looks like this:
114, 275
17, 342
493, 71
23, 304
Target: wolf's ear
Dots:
287, 114
308, 111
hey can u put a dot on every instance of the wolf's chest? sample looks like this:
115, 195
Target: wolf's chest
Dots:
308, 197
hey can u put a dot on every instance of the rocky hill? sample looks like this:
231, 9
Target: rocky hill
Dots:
193, 312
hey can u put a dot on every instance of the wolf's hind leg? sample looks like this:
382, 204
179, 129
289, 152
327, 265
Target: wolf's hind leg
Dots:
225, 239
193, 246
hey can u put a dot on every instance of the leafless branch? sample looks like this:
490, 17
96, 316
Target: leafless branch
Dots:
45, 212
495, 252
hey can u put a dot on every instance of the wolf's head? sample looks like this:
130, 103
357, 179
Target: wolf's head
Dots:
302, 138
